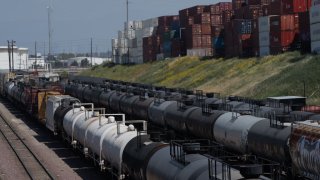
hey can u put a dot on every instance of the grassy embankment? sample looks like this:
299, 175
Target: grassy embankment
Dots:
254, 77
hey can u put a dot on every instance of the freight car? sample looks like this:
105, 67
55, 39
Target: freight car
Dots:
122, 149
266, 135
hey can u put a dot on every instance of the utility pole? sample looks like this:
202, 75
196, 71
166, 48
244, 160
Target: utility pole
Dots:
35, 55
91, 52
49, 29
9, 53
12, 60
127, 29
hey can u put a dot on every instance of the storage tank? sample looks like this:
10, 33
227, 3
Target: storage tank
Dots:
231, 130
269, 142
305, 149
201, 124
157, 111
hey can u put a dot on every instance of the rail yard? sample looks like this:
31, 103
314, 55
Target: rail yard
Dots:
137, 131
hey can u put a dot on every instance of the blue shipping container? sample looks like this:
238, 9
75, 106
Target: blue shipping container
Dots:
218, 42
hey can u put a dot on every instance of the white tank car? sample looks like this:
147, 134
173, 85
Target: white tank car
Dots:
101, 135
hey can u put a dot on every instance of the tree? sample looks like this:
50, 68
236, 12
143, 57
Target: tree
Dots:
84, 62
74, 63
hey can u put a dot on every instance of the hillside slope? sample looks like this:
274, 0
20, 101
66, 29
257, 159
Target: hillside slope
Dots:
283, 74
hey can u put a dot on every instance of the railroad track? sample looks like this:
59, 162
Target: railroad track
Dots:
27, 158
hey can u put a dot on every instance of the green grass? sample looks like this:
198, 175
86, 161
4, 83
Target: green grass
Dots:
278, 75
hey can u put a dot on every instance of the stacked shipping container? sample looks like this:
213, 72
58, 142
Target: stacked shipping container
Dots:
249, 28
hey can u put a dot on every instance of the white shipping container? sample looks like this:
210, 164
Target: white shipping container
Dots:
315, 47
123, 42
315, 32
264, 38
315, 14
134, 25
153, 22
114, 43
199, 52
148, 31
131, 34
264, 51
121, 34
264, 23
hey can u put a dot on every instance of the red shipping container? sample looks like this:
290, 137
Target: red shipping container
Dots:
301, 5
219, 7
196, 10
282, 38
203, 18
281, 23
249, 12
216, 19
206, 41
206, 29
279, 7
166, 20
226, 16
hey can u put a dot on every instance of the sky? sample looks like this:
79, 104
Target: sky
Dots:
75, 22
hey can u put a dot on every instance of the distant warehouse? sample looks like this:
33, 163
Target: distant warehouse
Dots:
20, 57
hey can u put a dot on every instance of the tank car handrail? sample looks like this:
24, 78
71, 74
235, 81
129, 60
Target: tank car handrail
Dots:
123, 116
84, 104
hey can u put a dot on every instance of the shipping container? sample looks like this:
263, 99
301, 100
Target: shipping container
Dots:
216, 19
279, 7
265, 2
264, 39
226, 16
283, 22
200, 52
204, 18
218, 42
282, 38
315, 14
176, 48
167, 20
301, 5
249, 12
315, 32
236, 4
253, 2
217, 30
196, 10
218, 8
264, 51
264, 23
152, 22
274, 50
315, 47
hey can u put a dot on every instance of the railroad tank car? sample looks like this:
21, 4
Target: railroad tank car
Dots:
267, 141
141, 107
157, 111
305, 148
201, 124
95, 96
105, 98
231, 130
126, 103
115, 99
176, 115
87, 94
